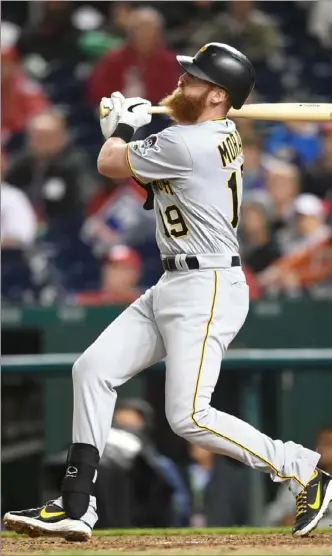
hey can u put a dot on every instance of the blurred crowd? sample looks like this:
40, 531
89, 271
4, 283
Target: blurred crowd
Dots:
68, 233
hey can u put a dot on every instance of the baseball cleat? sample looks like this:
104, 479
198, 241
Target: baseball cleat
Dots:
312, 503
49, 520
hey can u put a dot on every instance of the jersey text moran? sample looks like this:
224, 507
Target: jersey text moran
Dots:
230, 148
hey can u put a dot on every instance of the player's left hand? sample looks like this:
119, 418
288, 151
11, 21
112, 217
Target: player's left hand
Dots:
134, 112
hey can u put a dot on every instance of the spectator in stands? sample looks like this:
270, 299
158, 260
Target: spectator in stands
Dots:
253, 176
283, 185
143, 67
218, 490
10, 33
121, 272
21, 99
118, 216
186, 20
111, 34
309, 227
119, 20
320, 22
243, 26
317, 178
259, 247
104, 193
18, 234
324, 447
54, 38
18, 220
134, 477
295, 142
51, 171
307, 244
252, 282
282, 510
134, 414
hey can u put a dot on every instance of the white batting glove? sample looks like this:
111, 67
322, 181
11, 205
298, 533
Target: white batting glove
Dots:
134, 112
109, 113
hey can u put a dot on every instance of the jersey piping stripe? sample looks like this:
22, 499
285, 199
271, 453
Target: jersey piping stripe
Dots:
131, 168
215, 290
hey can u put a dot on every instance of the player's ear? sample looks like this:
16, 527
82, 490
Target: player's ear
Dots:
218, 95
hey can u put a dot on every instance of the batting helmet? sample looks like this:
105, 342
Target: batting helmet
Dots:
224, 66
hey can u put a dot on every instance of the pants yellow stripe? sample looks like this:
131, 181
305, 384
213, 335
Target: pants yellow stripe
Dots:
215, 290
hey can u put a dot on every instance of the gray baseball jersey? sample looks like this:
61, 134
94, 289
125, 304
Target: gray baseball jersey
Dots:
196, 173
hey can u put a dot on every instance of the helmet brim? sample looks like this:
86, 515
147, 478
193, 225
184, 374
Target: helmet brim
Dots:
189, 66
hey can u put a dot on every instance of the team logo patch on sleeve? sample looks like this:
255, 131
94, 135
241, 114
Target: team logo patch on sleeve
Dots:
150, 143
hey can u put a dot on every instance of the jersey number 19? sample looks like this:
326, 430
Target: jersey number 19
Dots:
175, 225
175, 221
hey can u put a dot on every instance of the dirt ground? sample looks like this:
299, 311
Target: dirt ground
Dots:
160, 545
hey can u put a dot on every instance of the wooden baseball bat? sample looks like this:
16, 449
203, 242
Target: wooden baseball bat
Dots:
282, 112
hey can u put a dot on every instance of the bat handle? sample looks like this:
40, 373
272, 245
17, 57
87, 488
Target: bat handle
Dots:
158, 110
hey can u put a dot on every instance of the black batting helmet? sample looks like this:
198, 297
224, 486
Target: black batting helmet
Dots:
224, 66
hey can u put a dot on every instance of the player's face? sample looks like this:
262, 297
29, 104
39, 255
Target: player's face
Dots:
188, 102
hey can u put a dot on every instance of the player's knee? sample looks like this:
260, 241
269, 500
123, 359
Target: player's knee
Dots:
77, 372
182, 425
190, 424
83, 367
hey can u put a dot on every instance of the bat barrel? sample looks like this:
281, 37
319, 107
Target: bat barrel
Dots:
301, 112
279, 112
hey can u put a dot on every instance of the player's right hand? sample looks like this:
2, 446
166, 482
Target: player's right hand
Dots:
109, 113
134, 112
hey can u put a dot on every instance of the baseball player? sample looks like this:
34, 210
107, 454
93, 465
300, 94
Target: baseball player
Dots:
193, 174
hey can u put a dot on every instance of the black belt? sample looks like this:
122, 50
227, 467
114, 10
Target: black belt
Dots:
192, 262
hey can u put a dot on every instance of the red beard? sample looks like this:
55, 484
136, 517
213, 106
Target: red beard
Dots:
183, 108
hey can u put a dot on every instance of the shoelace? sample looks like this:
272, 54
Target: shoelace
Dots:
301, 503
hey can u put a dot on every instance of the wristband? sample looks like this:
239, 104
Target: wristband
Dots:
124, 132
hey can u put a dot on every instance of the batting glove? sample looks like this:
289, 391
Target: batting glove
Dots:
134, 112
109, 113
